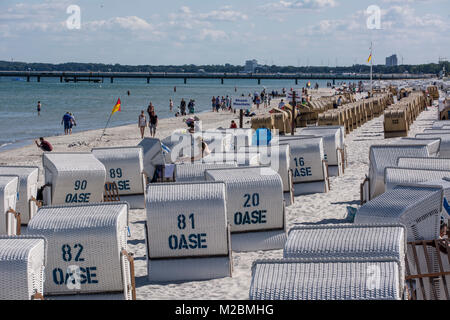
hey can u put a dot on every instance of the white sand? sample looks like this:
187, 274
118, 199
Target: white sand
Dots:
328, 208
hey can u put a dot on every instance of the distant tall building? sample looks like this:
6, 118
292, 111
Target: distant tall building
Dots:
250, 66
392, 61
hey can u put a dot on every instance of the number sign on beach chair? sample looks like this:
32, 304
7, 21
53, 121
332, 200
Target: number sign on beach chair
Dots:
187, 233
255, 207
72, 178
278, 157
9, 218
87, 249
27, 204
22, 262
195, 172
308, 165
381, 157
125, 167
327, 279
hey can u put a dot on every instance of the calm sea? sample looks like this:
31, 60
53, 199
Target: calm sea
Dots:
91, 103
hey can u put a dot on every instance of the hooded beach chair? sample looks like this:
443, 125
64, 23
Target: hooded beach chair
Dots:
187, 233
333, 147
444, 150
278, 157
72, 178
153, 155
433, 144
9, 217
255, 207
395, 176
195, 172
381, 157
27, 204
22, 263
125, 167
308, 165
88, 251
364, 278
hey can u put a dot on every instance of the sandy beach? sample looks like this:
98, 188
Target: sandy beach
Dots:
324, 208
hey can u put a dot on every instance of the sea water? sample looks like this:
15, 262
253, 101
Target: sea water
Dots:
91, 103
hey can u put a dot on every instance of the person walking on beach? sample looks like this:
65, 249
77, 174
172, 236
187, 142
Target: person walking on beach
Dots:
39, 108
142, 123
150, 108
66, 121
217, 103
72, 123
183, 107
44, 145
213, 103
153, 123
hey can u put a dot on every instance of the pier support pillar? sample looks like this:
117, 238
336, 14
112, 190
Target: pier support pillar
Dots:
60, 79
334, 82
148, 80
185, 80
112, 80
28, 79
259, 81
221, 80
75, 80
38, 79
296, 81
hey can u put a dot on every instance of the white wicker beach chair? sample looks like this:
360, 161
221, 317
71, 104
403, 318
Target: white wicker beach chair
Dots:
433, 145
217, 140
26, 204
22, 262
181, 145
308, 165
73, 178
243, 159
9, 218
440, 124
125, 167
255, 207
241, 137
153, 155
327, 279
424, 163
417, 207
382, 156
195, 172
396, 176
444, 150
333, 147
87, 249
187, 234
278, 157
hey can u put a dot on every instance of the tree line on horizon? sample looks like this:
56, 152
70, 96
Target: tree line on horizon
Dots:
431, 68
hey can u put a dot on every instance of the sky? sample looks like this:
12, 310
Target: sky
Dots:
176, 32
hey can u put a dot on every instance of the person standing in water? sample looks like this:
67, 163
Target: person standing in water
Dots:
142, 123
171, 105
39, 108
153, 123
66, 120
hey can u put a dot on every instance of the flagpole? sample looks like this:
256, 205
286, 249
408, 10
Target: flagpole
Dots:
371, 68
107, 123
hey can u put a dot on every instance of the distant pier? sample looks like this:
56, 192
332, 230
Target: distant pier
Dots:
147, 76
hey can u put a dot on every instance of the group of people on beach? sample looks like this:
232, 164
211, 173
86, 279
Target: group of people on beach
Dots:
224, 103
69, 121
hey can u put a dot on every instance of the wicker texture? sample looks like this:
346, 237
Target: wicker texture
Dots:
331, 143
383, 156
242, 159
22, 261
195, 172
441, 124
424, 163
433, 145
326, 279
66, 171
251, 190
28, 180
278, 157
8, 198
125, 164
444, 151
167, 202
395, 176
417, 207
100, 229
306, 153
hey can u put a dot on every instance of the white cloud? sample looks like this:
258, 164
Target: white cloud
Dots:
300, 4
